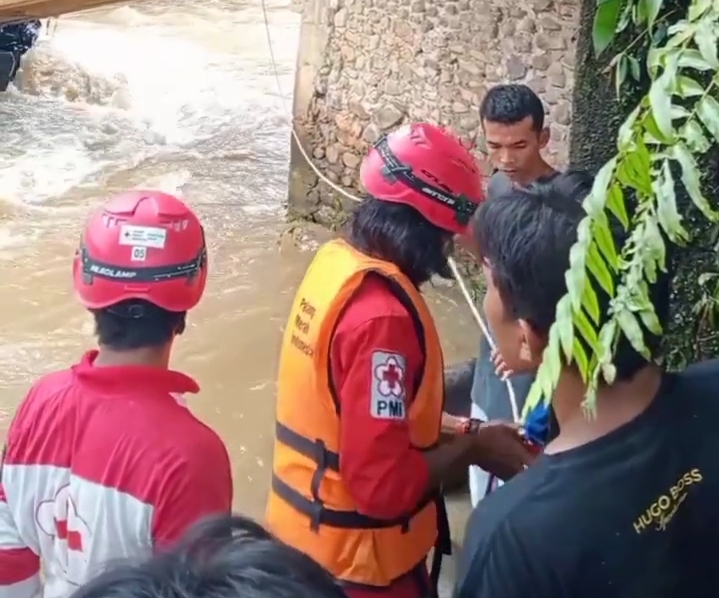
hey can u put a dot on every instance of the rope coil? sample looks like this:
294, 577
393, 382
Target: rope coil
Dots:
337, 189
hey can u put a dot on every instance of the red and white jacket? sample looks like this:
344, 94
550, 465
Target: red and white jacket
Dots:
102, 463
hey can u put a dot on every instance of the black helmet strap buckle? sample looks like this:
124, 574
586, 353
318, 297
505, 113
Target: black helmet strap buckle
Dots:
394, 171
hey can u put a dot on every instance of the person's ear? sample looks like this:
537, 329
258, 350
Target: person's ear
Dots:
531, 346
543, 137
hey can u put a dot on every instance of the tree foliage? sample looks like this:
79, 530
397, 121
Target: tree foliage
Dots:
658, 147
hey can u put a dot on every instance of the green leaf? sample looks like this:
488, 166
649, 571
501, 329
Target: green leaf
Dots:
650, 269
605, 241
632, 331
692, 59
655, 57
584, 232
678, 27
640, 162
607, 338
615, 204
650, 321
651, 237
650, 125
706, 277
660, 99
708, 112
535, 394
667, 211
693, 134
604, 177
688, 87
706, 41
605, 25
575, 277
590, 303
589, 404
585, 328
679, 112
690, 180
634, 68
609, 373
680, 32
620, 74
626, 130
599, 270
552, 354
653, 7
593, 203
581, 359
565, 330
625, 17
697, 8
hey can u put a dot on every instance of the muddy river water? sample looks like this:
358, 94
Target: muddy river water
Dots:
180, 96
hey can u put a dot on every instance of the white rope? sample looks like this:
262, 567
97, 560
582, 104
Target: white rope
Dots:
452, 264
485, 331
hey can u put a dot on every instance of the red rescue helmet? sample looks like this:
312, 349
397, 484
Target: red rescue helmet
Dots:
425, 167
142, 245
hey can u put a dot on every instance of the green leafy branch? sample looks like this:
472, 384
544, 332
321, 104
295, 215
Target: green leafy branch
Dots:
662, 136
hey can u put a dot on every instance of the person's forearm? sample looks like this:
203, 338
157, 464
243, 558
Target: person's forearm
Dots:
452, 424
448, 455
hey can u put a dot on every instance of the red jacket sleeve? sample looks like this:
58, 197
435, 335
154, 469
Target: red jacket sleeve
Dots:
19, 565
374, 368
196, 488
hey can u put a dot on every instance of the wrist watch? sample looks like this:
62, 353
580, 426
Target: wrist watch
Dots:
469, 425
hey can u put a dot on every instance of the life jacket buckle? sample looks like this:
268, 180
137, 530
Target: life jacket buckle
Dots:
320, 455
318, 507
316, 511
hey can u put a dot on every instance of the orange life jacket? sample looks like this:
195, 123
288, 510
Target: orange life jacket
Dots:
309, 506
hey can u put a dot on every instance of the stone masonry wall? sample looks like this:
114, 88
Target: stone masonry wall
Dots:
366, 66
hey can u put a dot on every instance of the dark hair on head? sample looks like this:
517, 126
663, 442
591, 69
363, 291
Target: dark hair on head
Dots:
222, 557
399, 234
136, 324
525, 235
510, 104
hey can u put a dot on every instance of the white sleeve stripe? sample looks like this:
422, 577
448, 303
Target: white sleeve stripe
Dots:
27, 588
9, 535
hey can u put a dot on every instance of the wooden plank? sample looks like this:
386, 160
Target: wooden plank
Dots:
17, 10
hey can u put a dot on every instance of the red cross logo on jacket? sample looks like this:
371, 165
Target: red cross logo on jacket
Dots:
390, 375
59, 519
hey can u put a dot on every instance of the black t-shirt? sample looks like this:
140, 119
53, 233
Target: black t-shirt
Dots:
634, 514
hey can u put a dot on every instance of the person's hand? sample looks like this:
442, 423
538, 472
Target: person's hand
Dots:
499, 448
500, 367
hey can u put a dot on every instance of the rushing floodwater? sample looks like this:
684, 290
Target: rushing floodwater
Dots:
179, 96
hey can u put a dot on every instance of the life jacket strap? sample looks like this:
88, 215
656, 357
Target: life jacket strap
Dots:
314, 507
